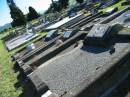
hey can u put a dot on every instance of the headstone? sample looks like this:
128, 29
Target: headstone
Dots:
33, 30
67, 34
99, 35
50, 35
72, 14
94, 11
27, 28
30, 47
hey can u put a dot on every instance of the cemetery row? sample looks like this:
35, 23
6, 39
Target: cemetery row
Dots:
75, 53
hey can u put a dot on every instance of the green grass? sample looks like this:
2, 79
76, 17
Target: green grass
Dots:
115, 5
7, 76
105, 9
34, 21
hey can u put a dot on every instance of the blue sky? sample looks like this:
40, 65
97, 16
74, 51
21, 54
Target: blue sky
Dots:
39, 5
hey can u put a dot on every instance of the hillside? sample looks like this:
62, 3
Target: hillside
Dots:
6, 26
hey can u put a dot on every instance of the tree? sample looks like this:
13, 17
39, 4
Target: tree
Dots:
52, 2
17, 16
32, 14
64, 3
79, 1
54, 7
57, 6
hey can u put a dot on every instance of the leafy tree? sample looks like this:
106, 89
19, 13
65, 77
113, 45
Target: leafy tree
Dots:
32, 14
80, 1
52, 2
54, 7
17, 16
57, 6
64, 3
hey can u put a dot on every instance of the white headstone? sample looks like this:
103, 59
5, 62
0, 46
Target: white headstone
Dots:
30, 47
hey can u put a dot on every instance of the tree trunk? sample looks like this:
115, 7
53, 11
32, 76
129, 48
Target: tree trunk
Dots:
52, 1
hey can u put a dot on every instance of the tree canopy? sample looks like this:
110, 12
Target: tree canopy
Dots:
57, 6
32, 14
80, 1
54, 7
17, 16
64, 3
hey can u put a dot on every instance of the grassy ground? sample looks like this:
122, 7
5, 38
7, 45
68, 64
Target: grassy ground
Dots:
34, 21
7, 76
115, 5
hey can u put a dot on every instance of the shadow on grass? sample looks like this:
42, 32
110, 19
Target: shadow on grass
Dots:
24, 82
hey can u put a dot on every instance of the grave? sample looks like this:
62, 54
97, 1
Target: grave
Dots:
19, 40
29, 64
66, 22
51, 34
99, 35
75, 72
71, 73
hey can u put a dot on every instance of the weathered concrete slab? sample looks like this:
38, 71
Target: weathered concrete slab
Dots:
123, 19
69, 70
66, 21
85, 21
30, 65
125, 32
105, 84
38, 50
83, 64
114, 16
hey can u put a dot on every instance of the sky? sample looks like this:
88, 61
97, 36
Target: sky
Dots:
39, 5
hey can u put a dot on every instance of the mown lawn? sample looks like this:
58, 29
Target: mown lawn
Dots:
7, 76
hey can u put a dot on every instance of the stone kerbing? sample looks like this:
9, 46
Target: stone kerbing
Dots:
50, 54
